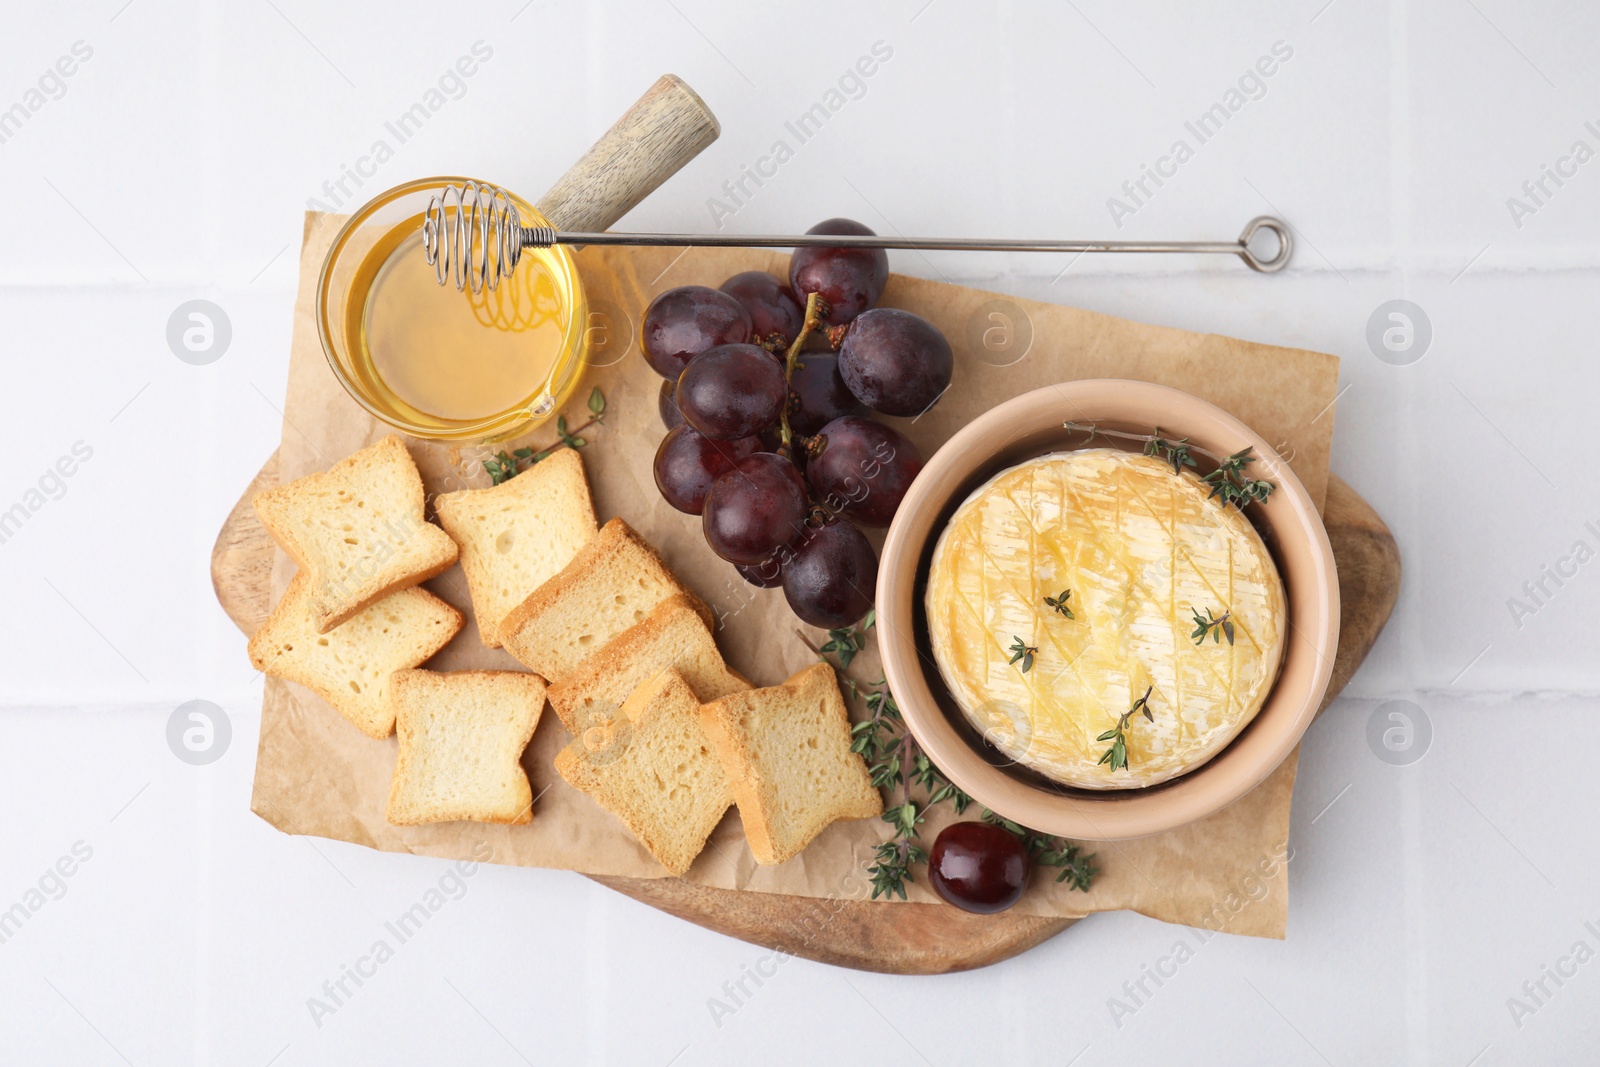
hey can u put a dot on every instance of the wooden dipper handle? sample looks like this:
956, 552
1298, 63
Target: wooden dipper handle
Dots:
663, 130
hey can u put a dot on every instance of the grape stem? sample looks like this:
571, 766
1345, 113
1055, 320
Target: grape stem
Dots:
816, 310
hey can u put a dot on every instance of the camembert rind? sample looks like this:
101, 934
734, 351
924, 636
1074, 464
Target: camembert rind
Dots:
1141, 549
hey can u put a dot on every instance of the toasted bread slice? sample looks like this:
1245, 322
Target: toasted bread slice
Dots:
786, 750
517, 535
349, 666
673, 635
652, 767
609, 586
461, 741
357, 530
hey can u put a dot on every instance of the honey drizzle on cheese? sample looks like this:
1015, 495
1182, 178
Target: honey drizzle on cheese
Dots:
1139, 547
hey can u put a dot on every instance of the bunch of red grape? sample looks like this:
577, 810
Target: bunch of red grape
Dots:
767, 392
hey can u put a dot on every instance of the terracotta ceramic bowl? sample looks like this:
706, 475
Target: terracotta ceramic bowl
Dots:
1032, 425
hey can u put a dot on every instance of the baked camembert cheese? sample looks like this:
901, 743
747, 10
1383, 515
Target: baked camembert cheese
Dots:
1141, 550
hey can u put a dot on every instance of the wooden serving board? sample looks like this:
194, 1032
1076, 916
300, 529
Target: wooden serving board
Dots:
898, 938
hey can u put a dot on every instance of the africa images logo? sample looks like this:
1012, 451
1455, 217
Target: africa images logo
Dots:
451, 85
1251, 85
51, 85
851, 85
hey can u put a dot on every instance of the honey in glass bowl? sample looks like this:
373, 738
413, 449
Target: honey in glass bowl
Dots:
439, 362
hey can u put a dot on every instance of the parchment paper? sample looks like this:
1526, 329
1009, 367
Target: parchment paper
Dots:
317, 774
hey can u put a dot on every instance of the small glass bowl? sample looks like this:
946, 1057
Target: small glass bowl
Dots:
339, 309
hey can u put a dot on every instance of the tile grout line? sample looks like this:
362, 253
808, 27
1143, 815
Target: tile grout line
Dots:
1401, 171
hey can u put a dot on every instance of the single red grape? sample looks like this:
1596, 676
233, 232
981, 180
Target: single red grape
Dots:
667, 404
895, 362
817, 394
862, 468
849, 279
832, 576
687, 463
681, 323
978, 866
732, 391
755, 509
773, 309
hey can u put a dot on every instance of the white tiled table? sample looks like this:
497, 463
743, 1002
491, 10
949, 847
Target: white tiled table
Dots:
174, 164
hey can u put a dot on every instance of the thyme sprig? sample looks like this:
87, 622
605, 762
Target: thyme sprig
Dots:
896, 856
895, 761
879, 739
1021, 650
503, 465
1117, 754
889, 750
1047, 851
1058, 604
1228, 482
1214, 626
